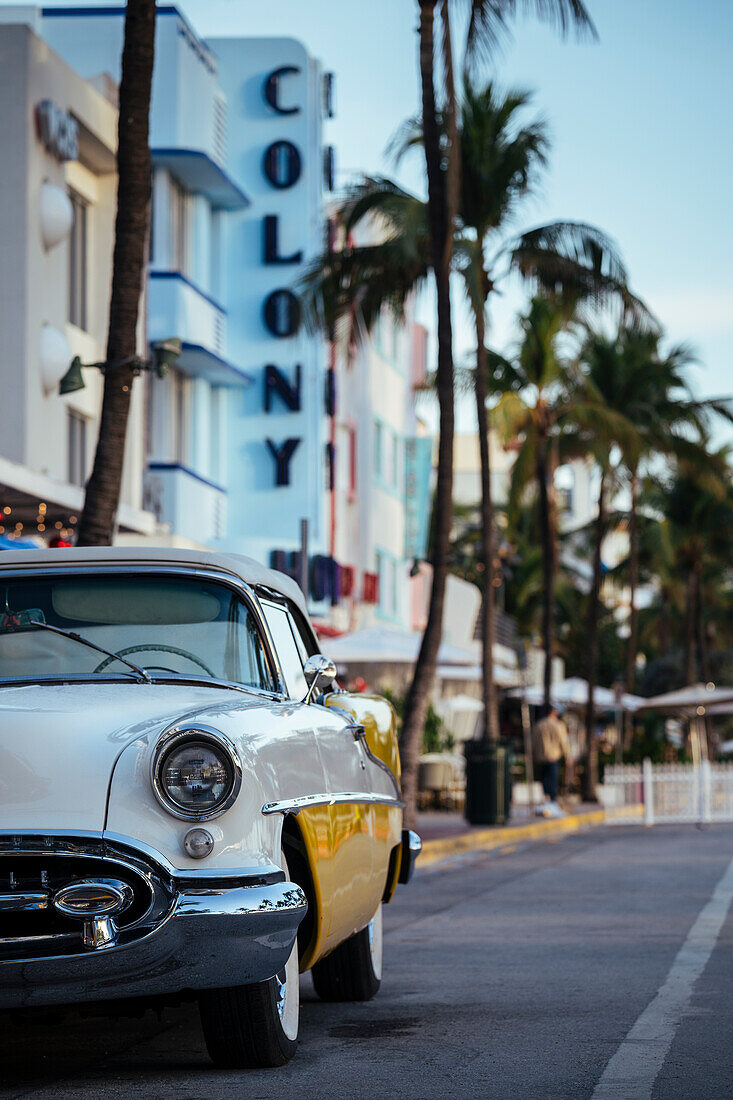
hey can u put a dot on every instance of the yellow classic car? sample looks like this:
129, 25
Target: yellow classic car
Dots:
189, 806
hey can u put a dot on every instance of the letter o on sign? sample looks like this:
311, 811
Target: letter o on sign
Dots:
282, 164
282, 313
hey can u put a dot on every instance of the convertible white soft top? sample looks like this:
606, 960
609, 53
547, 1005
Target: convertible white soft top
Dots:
246, 569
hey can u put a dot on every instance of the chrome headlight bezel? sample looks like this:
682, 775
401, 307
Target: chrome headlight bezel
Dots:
197, 734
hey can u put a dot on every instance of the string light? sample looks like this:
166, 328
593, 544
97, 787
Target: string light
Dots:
58, 525
72, 520
41, 526
7, 510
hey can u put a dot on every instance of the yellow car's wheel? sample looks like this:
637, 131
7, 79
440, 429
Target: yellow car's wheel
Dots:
353, 972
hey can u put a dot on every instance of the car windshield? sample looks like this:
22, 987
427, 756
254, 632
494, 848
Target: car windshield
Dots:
177, 626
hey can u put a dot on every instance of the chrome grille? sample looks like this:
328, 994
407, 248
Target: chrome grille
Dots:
30, 926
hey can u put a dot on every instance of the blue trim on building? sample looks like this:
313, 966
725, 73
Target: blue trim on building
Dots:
213, 367
185, 470
184, 279
77, 10
203, 175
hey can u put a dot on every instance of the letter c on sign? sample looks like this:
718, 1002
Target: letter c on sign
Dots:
272, 89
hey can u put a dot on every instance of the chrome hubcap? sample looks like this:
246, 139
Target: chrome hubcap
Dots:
374, 931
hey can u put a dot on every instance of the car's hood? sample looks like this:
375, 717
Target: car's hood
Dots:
59, 744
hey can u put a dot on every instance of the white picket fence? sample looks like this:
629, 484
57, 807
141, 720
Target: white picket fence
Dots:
657, 793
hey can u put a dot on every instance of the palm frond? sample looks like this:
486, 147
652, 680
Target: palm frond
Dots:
579, 263
488, 22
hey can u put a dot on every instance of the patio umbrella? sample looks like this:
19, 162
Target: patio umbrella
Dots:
503, 677
697, 699
572, 692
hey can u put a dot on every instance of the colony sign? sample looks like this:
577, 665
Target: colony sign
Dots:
282, 166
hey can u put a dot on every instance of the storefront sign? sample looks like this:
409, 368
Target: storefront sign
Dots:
418, 466
327, 579
58, 131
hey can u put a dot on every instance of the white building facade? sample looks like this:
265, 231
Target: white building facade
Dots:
57, 210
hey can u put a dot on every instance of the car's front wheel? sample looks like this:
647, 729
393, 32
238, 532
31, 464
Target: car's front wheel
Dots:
353, 972
254, 1026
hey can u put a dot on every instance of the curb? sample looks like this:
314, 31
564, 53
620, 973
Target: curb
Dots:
486, 839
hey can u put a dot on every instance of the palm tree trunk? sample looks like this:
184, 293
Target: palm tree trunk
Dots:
700, 631
590, 774
547, 536
633, 612
690, 601
488, 612
418, 696
97, 522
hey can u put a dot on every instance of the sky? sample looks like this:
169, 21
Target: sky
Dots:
642, 142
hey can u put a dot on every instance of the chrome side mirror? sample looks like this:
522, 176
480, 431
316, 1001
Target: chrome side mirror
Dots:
318, 670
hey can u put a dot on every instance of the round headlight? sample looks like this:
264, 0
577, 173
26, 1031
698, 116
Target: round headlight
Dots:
196, 773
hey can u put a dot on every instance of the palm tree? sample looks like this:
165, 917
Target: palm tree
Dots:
632, 378
697, 503
96, 525
533, 413
500, 159
499, 163
487, 20
554, 417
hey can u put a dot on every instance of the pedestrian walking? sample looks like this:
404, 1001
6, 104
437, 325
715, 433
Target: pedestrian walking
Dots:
550, 745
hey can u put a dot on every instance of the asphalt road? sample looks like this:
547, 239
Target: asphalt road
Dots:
600, 965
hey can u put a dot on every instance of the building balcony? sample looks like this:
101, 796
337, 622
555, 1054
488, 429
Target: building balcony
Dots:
177, 307
195, 507
202, 175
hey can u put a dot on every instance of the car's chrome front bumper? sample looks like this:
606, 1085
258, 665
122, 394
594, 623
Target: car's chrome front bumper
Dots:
213, 933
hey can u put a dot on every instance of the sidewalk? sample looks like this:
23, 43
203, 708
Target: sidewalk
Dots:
445, 834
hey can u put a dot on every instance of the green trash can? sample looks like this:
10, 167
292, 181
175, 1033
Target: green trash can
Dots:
488, 783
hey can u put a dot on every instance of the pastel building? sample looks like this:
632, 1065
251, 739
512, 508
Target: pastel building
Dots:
264, 423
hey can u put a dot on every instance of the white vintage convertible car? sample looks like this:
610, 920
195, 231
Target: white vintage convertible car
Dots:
188, 806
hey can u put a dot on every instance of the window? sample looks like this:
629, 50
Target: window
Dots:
180, 209
78, 255
178, 626
395, 470
77, 449
387, 573
180, 417
352, 462
216, 426
378, 448
289, 652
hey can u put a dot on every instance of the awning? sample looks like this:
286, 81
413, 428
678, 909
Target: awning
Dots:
22, 491
382, 645
17, 544
199, 172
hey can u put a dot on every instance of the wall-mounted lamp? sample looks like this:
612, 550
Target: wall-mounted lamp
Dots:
164, 355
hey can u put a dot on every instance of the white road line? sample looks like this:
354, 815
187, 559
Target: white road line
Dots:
631, 1073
